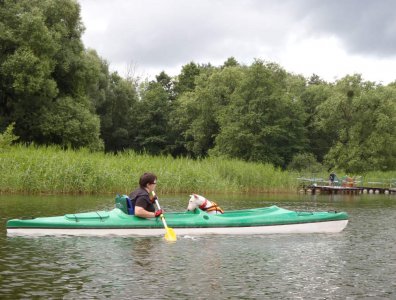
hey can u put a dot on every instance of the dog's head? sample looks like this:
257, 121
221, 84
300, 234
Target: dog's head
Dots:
195, 201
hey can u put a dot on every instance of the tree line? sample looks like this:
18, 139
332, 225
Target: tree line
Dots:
55, 91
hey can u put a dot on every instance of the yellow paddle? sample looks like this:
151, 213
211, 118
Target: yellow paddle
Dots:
170, 234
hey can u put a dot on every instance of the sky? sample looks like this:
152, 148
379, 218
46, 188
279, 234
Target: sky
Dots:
330, 38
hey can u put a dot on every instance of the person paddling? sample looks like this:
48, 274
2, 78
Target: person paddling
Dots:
141, 198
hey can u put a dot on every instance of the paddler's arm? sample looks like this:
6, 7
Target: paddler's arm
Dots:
141, 212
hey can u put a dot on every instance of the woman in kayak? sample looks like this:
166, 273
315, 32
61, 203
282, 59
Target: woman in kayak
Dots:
141, 198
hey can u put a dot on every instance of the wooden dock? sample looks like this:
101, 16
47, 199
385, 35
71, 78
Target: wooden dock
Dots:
327, 189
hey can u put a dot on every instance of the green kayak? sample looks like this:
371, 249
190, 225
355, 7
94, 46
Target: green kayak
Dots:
266, 220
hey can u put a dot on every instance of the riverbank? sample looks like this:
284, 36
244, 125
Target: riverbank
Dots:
32, 169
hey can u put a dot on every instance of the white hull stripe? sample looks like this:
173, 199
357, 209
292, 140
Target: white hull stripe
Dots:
318, 227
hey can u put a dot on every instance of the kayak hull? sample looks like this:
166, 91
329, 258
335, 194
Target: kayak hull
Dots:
265, 220
317, 227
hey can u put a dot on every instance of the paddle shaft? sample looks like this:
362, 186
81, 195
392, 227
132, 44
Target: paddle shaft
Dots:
170, 234
162, 215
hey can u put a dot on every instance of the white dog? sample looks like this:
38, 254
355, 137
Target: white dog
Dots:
197, 201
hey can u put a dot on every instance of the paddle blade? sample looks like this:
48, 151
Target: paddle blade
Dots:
170, 235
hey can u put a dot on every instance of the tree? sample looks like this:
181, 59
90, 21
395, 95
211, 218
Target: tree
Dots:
7, 138
167, 83
185, 82
117, 113
151, 120
320, 138
195, 114
43, 67
305, 162
68, 123
364, 115
230, 62
264, 121
315, 80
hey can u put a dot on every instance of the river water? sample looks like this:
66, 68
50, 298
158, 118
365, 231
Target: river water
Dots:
358, 263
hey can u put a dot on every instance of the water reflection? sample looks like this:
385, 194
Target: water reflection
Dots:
39, 266
359, 262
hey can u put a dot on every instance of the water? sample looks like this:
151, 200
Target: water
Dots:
358, 263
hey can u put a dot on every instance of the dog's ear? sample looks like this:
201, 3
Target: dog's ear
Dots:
195, 195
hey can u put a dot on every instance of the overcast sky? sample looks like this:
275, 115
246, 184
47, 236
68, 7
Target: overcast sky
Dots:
330, 38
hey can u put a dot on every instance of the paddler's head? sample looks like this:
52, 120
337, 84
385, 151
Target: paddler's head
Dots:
148, 181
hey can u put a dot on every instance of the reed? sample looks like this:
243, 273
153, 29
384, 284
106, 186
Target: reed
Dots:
380, 179
33, 169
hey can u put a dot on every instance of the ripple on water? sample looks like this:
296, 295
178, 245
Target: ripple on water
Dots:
357, 263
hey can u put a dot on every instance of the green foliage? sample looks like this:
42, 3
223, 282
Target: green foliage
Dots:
199, 110
320, 138
117, 112
57, 92
264, 120
67, 123
151, 119
45, 74
29, 74
167, 84
186, 80
305, 163
230, 62
7, 138
363, 116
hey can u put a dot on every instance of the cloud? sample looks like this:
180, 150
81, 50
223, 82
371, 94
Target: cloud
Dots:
158, 35
363, 26
174, 31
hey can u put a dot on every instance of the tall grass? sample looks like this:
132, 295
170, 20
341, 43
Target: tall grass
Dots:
32, 169
380, 179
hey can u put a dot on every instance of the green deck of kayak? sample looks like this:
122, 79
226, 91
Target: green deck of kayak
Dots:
117, 218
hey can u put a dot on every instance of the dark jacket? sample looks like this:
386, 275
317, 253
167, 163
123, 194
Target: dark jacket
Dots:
140, 197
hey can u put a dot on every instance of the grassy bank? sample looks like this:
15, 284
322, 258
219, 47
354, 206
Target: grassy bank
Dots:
53, 170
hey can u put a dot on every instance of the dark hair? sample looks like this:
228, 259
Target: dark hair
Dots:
147, 178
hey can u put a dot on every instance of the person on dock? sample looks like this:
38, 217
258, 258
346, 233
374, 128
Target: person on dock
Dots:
332, 178
142, 199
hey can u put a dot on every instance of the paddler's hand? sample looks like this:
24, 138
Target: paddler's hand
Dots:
158, 213
153, 198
